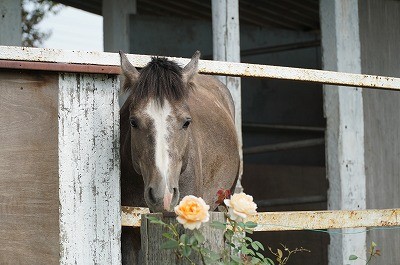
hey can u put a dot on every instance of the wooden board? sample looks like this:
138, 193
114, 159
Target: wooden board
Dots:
90, 217
28, 168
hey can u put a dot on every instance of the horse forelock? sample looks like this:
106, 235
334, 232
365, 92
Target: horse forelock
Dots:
160, 80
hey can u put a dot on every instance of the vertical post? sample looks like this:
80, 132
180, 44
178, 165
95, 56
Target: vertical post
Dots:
226, 47
345, 123
89, 191
116, 24
10, 22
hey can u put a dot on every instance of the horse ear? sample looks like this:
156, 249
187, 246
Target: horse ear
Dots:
131, 74
191, 68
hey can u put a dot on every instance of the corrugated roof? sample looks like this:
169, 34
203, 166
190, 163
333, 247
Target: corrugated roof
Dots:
286, 14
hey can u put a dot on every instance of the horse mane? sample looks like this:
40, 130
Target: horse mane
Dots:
161, 79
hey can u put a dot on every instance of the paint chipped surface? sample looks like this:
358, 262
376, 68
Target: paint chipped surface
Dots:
89, 192
300, 220
205, 66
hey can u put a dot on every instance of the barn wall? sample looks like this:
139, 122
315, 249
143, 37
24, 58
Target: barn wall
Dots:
380, 38
28, 168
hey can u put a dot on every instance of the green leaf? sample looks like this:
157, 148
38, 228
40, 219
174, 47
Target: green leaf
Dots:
261, 256
353, 257
248, 239
170, 244
186, 251
193, 241
269, 261
254, 245
199, 236
168, 235
184, 239
250, 224
218, 225
236, 258
155, 220
259, 245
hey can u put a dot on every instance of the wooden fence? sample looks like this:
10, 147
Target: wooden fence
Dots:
88, 156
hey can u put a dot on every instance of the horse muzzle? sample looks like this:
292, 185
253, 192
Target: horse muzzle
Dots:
161, 199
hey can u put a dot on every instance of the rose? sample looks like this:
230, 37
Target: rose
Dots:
240, 206
192, 211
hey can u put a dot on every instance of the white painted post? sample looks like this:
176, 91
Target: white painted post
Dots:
226, 47
10, 22
90, 215
345, 123
116, 24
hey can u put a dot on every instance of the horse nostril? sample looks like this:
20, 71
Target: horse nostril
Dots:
152, 198
175, 196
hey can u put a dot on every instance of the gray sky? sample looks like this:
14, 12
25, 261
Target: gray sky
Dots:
74, 29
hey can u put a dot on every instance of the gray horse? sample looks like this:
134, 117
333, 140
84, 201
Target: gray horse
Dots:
178, 138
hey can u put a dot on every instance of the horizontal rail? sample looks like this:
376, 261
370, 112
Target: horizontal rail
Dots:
301, 220
291, 201
206, 67
283, 146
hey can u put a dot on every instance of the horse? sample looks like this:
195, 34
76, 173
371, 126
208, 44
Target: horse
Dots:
177, 138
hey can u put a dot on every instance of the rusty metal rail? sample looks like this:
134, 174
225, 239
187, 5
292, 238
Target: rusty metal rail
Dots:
300, 220
73, 58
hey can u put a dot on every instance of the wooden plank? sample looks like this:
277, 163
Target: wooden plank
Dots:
205, 66
90, 223
28, 168
308, 220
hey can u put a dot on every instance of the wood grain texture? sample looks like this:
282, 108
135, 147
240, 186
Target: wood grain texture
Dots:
152, 239
380, 38
28, 168
90, 222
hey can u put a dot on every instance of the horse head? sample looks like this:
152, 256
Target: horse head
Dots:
160, 125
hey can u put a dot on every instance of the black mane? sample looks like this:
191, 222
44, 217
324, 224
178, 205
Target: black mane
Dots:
161, 80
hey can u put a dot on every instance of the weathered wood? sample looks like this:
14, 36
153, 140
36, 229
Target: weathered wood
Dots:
152, 239
226, 47
90, 216
345, 123
28, 168
380, 37
205, 67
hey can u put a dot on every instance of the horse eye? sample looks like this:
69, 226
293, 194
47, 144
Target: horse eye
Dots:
187, 123
133, 123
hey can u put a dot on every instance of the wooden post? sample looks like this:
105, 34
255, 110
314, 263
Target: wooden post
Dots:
10, 22
116, 24
345, 124
226, 47
88, 143
152, 239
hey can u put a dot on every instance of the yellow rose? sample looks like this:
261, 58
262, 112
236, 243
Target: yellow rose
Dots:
240, 206
192, 211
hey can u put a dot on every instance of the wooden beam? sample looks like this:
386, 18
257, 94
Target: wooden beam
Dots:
304, 220
226, 47
89, 169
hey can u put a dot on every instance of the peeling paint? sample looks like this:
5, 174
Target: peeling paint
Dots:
300, 220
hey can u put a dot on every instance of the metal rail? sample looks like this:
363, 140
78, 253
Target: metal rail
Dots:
206, 67
300, 220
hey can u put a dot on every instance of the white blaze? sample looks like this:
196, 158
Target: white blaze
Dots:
160, 115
